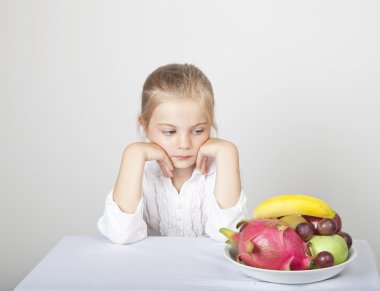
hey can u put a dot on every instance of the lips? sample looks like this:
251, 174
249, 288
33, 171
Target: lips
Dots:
182, 157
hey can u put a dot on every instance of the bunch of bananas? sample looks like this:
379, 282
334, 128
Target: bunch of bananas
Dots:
293, 204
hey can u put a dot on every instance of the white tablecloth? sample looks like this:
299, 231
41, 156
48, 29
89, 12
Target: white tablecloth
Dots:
170, 263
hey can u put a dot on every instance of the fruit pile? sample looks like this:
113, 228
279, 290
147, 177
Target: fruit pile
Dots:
291, 232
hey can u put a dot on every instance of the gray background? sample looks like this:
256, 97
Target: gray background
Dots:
296, 85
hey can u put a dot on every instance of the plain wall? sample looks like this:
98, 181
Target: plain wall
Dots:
296, 86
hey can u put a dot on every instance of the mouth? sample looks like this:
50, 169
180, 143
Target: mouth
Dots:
182, 158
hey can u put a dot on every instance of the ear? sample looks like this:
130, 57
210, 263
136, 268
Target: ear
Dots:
143, 124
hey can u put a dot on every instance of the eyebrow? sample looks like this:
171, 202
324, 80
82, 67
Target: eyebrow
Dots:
171, 125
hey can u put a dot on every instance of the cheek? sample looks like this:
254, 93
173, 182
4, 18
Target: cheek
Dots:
163, 141
166, 145
200, 141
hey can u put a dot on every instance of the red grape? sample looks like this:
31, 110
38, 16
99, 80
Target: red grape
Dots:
324, 259
346, 237
338, 221
314, 221
327, 226
305, 230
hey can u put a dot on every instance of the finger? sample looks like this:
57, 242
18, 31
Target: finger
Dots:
163, 170
169, 171
199, 162
167, 167
166, 171
204, 166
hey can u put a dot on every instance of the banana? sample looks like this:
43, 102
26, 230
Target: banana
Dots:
282, 205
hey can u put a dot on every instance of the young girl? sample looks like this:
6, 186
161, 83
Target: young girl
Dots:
181, 182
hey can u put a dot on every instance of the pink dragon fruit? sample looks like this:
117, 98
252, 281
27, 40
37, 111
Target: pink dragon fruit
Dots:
269, 244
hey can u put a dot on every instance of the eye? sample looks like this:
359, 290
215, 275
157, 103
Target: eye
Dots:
198, 131
169, 132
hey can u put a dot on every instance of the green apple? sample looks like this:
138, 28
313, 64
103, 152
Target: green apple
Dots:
333, 244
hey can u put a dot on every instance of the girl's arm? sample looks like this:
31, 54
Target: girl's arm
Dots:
128, 188
227, 183
122, 221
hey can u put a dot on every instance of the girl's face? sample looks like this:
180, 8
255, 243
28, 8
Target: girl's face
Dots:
180, 127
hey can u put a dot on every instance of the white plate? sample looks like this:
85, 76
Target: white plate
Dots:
288, 277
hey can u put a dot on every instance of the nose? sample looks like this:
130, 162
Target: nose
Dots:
184, 141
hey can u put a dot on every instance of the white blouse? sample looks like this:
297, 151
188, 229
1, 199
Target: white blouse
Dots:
193, 211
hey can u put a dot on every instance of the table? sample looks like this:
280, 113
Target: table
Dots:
170, 263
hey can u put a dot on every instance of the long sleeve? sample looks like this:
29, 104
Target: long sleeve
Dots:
229, 217
163, 211
120, 227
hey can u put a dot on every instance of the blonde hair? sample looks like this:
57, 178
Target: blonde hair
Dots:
176, 81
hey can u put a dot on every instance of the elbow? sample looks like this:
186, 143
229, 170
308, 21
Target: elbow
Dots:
118, 237
125, 240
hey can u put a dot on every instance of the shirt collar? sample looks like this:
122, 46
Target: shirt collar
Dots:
155, 168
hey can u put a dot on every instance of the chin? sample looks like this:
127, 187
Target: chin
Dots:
184, 164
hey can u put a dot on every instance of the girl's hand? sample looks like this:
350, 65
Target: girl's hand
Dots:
227, 183
153, 152
128, 191
216, 148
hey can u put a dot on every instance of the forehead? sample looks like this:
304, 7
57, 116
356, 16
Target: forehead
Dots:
179, 113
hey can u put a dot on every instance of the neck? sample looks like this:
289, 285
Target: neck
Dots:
180, 176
